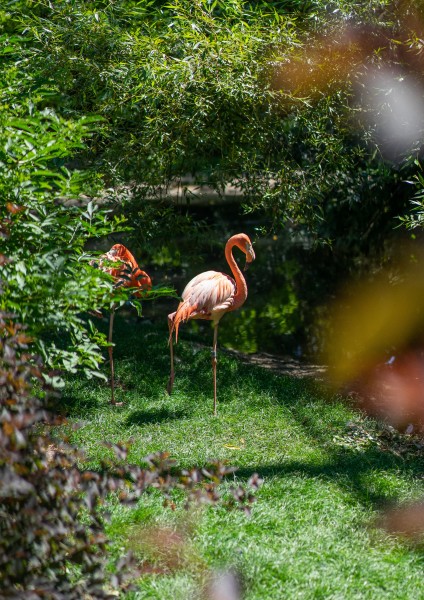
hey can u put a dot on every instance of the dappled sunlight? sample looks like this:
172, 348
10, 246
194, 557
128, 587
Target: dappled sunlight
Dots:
322, 464
347, 473
167, 127
160, 415
317, 440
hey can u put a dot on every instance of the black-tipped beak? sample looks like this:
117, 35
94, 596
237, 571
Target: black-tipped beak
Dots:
250, 257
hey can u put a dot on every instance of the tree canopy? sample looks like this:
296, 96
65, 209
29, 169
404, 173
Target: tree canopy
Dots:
104, 105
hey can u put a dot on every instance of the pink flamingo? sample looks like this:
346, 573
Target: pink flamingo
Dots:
209, 296
126, 274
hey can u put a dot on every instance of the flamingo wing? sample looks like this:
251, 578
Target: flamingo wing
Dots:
137, 277
127, 273
206, 295
209, 291
141, 280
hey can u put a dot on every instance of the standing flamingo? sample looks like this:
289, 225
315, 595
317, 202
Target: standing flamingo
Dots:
209, 296
127, 274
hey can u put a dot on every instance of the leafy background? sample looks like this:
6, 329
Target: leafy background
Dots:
115, 102
104, 108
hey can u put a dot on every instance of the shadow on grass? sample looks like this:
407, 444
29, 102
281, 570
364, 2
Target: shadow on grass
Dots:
145, 417
146, 354
347, 469
79, 404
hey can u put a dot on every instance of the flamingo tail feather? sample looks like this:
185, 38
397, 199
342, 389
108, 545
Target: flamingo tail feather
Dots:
182, 315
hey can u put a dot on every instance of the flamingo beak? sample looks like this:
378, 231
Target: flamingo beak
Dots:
250, 256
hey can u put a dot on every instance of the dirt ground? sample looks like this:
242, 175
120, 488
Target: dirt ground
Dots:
282, 365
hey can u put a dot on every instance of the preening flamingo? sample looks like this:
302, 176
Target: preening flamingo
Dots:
209, 296
127, 274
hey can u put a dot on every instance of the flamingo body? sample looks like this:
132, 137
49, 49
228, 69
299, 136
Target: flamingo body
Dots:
209, 296
127, 274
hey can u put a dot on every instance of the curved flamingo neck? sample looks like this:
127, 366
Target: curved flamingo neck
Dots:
142, 279
241, 286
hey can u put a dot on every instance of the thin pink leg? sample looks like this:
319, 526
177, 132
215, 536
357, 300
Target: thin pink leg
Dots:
214, 361
112, 367
171, 350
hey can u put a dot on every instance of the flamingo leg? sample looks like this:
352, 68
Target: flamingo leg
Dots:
171, 351
214, 361
112, 366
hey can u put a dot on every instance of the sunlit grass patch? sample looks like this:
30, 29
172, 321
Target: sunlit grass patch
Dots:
327, 472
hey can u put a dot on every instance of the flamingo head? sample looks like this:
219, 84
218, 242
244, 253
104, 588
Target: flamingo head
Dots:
250, 255
117, 251
242, 241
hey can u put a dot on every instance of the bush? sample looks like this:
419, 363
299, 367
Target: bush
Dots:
188, 87
44, 223
52, 536
46, 219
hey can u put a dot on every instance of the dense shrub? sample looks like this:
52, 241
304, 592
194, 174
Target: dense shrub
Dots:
52, 536
46, 220
44, 225
202, 87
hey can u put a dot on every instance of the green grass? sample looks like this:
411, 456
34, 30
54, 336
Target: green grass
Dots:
327, 473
